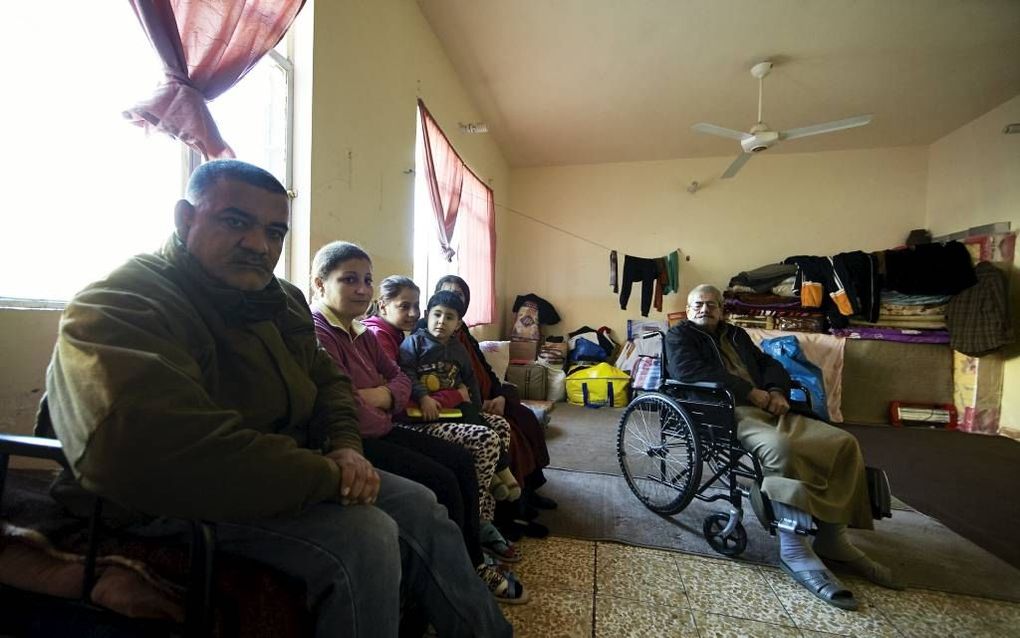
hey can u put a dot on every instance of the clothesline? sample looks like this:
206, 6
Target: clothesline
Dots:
563, 230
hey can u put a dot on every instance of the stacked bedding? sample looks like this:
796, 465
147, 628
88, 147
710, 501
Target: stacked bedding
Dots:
770, 311
904, 318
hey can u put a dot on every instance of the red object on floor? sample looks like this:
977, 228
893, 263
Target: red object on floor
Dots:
896, 416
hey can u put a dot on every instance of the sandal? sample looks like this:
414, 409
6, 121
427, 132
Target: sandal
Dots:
496, 546
824, 585
873, 571
503, 586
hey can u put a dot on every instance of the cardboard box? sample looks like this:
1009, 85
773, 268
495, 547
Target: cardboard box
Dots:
523, 351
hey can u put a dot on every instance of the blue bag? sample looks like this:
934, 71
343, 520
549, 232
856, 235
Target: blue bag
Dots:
585, 350
786, 350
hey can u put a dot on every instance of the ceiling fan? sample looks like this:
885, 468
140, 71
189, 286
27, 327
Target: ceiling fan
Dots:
761, 137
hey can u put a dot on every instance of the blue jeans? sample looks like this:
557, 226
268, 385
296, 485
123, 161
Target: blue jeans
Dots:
355, 560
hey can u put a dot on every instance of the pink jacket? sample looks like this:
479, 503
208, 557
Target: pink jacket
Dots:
388, 336
361, 358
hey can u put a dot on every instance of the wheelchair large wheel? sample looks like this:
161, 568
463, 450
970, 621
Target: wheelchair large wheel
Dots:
659, 453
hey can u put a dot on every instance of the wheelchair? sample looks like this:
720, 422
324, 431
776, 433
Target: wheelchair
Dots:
671, 438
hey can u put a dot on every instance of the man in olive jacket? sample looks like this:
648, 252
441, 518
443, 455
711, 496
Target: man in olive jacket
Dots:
189, 384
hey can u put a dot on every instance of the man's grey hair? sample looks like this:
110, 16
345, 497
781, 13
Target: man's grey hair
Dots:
705, 289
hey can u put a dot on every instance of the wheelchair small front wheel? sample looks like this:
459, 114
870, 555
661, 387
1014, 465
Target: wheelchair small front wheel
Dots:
659, 453
733, 543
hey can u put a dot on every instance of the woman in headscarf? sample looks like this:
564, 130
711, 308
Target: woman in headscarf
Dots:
528, 451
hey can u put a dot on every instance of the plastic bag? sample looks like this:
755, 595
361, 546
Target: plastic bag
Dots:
585, 350
786, 350
598, 385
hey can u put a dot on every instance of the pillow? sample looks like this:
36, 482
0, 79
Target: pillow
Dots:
497, 355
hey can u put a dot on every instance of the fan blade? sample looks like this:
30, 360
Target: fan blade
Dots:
735, 166
712, 129
828, 127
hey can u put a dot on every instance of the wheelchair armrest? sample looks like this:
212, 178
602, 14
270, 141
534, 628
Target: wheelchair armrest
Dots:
32, 446
710, 388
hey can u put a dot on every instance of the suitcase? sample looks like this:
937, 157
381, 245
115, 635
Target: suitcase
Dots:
529, 379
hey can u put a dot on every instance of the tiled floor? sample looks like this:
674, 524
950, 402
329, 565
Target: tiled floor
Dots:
584, 589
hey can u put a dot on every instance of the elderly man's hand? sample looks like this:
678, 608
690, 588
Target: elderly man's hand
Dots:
359, 482
777, 405
759, 398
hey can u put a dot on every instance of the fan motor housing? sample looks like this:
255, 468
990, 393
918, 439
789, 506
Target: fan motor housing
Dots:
759, 141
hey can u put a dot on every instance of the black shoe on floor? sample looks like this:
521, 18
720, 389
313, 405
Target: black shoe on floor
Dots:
542, 502
532, 529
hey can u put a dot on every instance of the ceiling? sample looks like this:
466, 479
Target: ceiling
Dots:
592, 81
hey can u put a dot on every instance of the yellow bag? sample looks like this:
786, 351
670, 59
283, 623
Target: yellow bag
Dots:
598, 385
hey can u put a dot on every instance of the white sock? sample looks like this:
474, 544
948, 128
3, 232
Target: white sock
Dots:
833, 542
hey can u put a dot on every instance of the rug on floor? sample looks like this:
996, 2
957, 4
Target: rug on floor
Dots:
924, 553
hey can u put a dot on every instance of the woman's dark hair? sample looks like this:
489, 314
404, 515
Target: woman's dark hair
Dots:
454, 279
449, 300
333, 254
389, 289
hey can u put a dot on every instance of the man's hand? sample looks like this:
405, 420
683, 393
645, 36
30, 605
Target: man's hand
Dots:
759, 398
494, 406
777, 405
377, 397
359, 482
429, 408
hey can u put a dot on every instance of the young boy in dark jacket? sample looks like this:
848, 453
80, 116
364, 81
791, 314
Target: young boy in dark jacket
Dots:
442, 377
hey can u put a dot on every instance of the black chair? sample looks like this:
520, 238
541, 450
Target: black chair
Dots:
669, 438
37, 608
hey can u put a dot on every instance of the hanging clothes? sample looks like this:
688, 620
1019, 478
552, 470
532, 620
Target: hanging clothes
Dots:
673, 265
661, 282
613, 272
638, 269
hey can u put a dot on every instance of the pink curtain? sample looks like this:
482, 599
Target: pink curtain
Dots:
206, 47
444, 174
476, 249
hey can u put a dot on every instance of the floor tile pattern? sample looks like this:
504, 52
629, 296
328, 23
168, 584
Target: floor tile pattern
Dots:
585, 589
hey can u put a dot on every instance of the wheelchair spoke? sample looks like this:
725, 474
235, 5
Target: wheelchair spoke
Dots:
657, 452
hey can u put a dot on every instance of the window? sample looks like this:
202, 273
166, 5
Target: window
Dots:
84, 189
473, 240
255, 118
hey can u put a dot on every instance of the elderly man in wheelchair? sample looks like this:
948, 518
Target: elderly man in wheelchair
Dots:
725, 409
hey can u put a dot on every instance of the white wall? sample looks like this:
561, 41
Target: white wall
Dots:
25, 348
974, 179
372, 60
778, 206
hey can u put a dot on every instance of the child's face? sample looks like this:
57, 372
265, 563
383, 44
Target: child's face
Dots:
402, 311
443, 322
